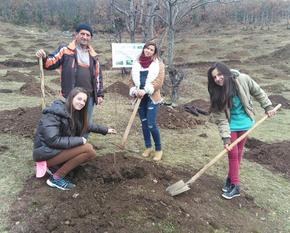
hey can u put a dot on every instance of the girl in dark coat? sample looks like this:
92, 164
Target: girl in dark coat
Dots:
59, 137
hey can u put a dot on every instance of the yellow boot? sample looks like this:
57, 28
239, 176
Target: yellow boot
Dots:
158, 155
147, 152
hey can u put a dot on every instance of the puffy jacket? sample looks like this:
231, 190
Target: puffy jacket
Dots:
247, 88
54, 132
65, 57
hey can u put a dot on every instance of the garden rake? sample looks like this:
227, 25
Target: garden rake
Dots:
181, 186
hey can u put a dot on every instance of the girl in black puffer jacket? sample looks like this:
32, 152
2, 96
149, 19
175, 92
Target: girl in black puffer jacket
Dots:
59, 137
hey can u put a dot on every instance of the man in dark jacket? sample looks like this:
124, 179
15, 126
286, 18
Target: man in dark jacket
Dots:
79, 66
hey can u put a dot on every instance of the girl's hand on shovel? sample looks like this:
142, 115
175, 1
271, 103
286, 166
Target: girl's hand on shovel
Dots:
140, 93
271, 113
112, 131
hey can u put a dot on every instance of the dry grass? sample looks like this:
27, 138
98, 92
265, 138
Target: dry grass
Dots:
181, 147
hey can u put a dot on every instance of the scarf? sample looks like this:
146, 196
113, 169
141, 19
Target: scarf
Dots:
145, 61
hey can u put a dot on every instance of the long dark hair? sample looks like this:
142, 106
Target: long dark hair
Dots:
156, 53
221, 96
79, 119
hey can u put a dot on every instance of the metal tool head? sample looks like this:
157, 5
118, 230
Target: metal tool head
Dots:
177, 188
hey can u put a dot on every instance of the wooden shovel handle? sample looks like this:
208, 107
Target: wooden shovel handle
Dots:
125, 136
220, 155
42, 83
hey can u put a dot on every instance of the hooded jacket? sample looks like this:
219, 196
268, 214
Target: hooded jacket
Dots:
54, 132
246, 88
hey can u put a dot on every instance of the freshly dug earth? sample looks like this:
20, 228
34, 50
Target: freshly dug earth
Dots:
279, 99
129, 196
17, 63
20, 121
273, 156
118, 87
33, 89
178, 118
18, 77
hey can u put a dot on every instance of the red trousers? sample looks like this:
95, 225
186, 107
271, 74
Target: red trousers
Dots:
235, 157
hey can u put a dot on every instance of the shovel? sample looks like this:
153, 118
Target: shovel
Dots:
181, 186
125, 136
42, 83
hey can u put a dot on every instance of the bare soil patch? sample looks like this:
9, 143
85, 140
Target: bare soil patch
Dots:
6, 91
3, 148
130, 196
177, 118
119, 88
3, 51
273, 156
17, 76
281, 55
20, 121
17, 63
33, 89
279, 99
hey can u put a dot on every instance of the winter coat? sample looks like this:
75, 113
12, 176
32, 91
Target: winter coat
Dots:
246, 88
65, 57
154, 81
54, 132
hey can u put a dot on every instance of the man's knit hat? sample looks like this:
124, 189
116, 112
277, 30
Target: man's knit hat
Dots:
84, 26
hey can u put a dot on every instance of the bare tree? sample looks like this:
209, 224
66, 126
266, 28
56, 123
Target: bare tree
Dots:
131, 16
175, 13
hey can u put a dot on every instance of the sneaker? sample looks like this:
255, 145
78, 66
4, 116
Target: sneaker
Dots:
233, 192
147, 152
227, 185
61, 183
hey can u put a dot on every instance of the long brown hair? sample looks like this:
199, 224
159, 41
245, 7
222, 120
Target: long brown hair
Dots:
156, 53
221, 96
79, 118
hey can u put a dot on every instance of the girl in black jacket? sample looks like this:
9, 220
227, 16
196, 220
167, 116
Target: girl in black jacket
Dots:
59, 137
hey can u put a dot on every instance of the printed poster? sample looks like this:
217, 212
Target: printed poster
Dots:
124, 54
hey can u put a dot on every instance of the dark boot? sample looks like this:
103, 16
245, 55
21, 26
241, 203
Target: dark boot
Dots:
233, 192
227, 185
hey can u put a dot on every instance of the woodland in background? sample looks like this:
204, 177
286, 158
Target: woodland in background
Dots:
150, 19
65, 14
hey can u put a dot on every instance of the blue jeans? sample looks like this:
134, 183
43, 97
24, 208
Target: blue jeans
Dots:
91, 104
148, 115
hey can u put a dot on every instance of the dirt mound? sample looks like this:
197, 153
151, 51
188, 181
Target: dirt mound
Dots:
33, 89
199, 104
130, 196
177, 118
21, 121
278, 99
119, 88
6, 91
281, 54
17, 77
274, 156
3, 51
17, 63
